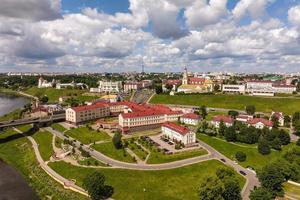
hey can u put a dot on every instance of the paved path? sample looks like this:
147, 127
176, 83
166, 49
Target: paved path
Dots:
251, 179
65, 182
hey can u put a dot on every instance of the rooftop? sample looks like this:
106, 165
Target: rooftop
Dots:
175, 127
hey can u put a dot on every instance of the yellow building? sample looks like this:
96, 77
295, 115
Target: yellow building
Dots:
195, 84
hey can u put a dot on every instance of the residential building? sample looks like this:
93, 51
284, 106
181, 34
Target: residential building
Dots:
227, 120
80, 114
240, 89
244, 118
108, 87
260, 123
279, 116
134, 85
190, 118
178, 133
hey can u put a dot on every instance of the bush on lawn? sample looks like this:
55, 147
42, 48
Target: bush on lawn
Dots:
240, 156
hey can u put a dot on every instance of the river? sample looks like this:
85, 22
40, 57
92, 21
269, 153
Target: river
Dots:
12, 184
9, 103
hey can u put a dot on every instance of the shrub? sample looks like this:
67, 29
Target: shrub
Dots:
240, 156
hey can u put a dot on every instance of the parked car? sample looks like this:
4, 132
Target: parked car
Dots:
243, 173
223, 160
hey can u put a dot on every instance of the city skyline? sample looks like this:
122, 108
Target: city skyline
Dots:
122, 36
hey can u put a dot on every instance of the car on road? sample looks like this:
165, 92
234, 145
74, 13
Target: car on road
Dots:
223, 160
170, 143
251, 170
243, 173
235, 162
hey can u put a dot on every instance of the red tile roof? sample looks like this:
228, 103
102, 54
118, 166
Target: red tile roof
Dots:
278, 115
90, 107
225, 119
261, 120
173, 82
191, 116
175, 127
195, 79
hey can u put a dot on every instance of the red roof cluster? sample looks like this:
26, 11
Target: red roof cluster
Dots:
175, 127
278, 115
225, 119
261, 120
173, 82
195, 80
191, 116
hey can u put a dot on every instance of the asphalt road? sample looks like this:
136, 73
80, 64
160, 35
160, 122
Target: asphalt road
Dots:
251, 179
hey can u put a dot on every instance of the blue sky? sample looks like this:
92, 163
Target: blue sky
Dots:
166, 35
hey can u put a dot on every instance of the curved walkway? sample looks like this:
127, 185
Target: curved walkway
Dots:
251, 179
65, 182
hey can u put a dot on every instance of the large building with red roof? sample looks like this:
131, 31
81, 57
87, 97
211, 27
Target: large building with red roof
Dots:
260, 123
227, 120
178, 133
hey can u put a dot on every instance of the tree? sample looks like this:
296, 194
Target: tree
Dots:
276, 144
203, 111
250, 109
260, 193
117, 140
216, 87
223, 173
298, 142
287, 121
275, 121
44, 99
272, 178
233, 113
240, 156
284, 137
211, 188
222, 128
263, 147
232, 190
94, 184
230, 134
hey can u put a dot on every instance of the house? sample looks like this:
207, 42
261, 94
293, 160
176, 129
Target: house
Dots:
178, 133
108, 87
260, 123
239, 89
279, 116
190, 118
227, 120
243, 118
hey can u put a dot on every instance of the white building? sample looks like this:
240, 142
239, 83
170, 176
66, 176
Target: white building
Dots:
260, 123
241, 89
44, 83
285, 89
227, 120
108, 87
134, 85
178, 133
72, 84
190, 118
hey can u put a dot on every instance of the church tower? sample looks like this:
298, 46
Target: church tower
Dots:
185, 77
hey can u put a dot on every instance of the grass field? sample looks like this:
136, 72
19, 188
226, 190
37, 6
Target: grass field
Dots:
285, 105
291, 191
19, 154
109, 150
210, 115
11, 116
254, 159
86, 136
148, 185
91, 162
58, 127
24, 128
44, 140
158, 157
137, 150
53, 94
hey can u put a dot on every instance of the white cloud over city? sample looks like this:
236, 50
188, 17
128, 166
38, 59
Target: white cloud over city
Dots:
166, 35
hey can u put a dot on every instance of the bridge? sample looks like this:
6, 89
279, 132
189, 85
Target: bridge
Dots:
18, 122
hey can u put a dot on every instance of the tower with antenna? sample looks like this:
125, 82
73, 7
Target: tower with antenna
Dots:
143, 72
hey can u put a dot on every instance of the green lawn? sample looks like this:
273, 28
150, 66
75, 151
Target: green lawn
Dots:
58, 142
286, 105
19, 154
11, 116
91, 162
86, 136
24, 128
173, 184
254, 159
137, 150
109, 150
58, 127
44, 140
53, 94
158, 157
291, 191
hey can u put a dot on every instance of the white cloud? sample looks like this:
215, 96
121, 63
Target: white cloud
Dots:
255, 9
294, 15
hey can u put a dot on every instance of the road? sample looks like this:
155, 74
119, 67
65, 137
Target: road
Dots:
251, 179
18, 122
